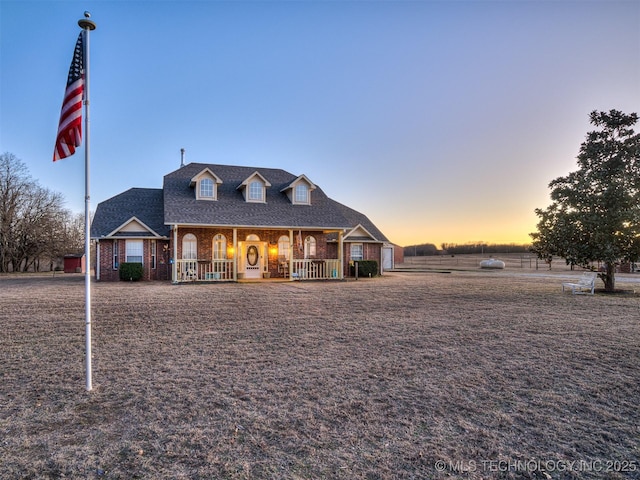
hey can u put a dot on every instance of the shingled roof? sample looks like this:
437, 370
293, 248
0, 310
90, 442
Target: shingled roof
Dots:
356, 218
176, 203
230, 208
145, 204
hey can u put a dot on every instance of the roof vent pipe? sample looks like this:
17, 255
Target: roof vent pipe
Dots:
181, 157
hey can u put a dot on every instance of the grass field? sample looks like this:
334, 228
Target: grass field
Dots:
471, 374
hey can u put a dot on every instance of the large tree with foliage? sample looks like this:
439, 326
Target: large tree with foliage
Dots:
595, 211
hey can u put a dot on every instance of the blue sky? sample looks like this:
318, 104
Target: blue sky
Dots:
442, 121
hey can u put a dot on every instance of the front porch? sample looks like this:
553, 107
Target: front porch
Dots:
231, 255
224, 271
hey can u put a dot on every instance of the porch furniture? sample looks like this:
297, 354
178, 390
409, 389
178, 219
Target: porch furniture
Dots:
585, 285
283, 266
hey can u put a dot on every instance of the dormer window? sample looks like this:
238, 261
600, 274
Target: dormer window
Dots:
206, 184
206, 188
254, 188
256, 192
299, 191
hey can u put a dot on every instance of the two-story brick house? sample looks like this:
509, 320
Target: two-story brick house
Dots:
226, 223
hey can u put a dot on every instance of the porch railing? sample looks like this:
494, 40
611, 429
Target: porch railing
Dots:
205, 270
312, 269
222, 270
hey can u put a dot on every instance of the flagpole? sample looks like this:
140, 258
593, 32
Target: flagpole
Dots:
87, 25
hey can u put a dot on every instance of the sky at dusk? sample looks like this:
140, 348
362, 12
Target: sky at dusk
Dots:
441, 121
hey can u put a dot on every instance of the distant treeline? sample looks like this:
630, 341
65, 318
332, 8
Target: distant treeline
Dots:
427, 249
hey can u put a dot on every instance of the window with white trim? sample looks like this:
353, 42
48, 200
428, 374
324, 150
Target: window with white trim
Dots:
309, 247
283, 247
133, 250
189, 247
115, 254
256, 191
357, 251
219, 247
206, 188
153, 253
301, 193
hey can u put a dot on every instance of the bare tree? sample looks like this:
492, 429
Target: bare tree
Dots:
33, 223
14, 180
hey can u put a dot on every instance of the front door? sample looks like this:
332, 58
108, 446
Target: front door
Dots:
252, 260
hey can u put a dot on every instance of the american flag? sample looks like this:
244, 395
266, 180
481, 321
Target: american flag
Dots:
70, 126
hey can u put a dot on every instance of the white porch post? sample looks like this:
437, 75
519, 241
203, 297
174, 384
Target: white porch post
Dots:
290, 259
174, 270
341, 255
235, 254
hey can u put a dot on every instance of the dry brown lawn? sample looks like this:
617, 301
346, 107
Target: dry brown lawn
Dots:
412, 375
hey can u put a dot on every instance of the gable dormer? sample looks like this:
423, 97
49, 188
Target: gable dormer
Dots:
299, 191
254, 188
359, 234
206, 185
133, 228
